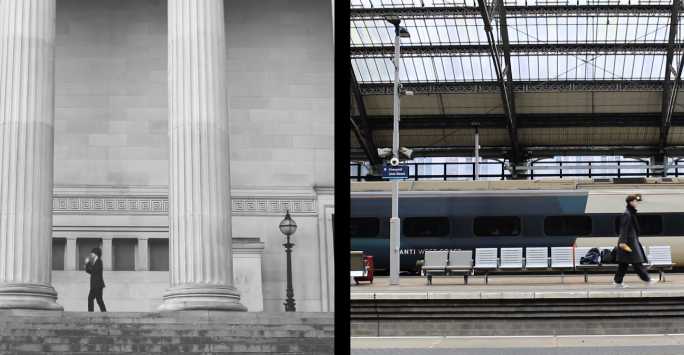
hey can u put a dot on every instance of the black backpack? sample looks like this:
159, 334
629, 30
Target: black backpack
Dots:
592, 257
608, 256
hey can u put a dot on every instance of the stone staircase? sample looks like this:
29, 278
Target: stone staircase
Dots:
500, 317
188, 332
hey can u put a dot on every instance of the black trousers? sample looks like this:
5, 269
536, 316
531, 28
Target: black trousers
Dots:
638, 268
96, 293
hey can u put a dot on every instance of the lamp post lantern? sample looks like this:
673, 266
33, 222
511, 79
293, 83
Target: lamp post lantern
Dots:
395, 224
288, 227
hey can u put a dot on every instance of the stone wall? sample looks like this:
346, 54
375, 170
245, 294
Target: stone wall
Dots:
111, 141
111, 93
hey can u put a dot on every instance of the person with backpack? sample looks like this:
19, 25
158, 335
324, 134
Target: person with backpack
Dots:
629, 249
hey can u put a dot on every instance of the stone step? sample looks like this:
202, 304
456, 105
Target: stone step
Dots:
27, 332
515, 317
247, 345
180, 334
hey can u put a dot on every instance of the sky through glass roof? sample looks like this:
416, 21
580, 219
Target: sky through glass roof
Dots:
451, 46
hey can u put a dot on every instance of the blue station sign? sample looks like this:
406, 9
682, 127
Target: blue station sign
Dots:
399, 172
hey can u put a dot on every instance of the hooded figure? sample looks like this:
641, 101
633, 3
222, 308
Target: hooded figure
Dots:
629, 250
93, 266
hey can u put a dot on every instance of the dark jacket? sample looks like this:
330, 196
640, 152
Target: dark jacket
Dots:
95, 271
629, 234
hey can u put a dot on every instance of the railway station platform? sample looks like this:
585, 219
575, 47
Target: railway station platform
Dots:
516, 287
512, 305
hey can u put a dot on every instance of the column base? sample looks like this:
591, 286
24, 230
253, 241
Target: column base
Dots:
202, 297
29, 296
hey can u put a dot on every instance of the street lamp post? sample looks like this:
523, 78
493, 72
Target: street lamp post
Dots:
394, 221
288, 227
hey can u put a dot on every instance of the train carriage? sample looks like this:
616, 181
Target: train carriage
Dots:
469, 215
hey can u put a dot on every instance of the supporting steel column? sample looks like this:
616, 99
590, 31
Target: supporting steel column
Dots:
503, 75
360, 125
670, 87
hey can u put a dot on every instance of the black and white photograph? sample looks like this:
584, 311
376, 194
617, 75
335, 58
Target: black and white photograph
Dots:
166, 177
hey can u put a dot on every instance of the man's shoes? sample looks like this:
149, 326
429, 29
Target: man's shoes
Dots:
651, 282
619, 285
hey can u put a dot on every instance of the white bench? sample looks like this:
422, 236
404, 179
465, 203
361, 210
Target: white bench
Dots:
511, 259
486, 260
562, 259
536, 258
660, 258
460, 262
435, 262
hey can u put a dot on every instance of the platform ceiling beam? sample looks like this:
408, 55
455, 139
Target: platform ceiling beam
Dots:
485, 87
537, 120
445, 50
517, 11
499, 152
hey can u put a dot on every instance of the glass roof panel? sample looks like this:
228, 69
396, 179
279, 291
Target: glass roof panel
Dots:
638, 28
478, 68
473, 3
426, 69
606, 56
588, 29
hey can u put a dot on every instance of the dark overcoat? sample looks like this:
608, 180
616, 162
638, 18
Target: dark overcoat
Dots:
95, 271
629, 234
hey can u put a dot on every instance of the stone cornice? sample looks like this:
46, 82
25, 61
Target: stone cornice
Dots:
153, 200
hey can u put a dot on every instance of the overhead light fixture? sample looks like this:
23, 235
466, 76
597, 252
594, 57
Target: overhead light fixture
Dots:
406, 152
384, 152
403, 32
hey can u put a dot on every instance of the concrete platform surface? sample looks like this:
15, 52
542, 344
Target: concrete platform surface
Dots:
517, 287
501, 342
642, 344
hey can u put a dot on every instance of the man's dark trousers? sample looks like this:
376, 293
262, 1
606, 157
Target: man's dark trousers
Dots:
638, 268
96, 293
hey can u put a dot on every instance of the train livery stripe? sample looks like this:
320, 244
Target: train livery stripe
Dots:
653, 201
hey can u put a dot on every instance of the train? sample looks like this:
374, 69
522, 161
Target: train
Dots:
453, 215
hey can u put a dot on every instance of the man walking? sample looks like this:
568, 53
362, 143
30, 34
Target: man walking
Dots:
93, 266
629, 250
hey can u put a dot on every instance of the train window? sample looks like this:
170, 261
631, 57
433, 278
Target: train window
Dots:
364, 227
649, 224
567, 225
426, 227
496, 226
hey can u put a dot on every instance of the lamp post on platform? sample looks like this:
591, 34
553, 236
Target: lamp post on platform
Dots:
288, 227
395, 225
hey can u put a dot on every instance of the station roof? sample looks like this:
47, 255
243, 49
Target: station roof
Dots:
539, 77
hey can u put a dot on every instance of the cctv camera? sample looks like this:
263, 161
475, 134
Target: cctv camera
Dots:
394, 161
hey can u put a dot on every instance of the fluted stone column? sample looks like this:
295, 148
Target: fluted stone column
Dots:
143, 256
200, 267
70, 254
107, 254
27, 90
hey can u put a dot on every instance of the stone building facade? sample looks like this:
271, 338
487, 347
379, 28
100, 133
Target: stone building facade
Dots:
112, 148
